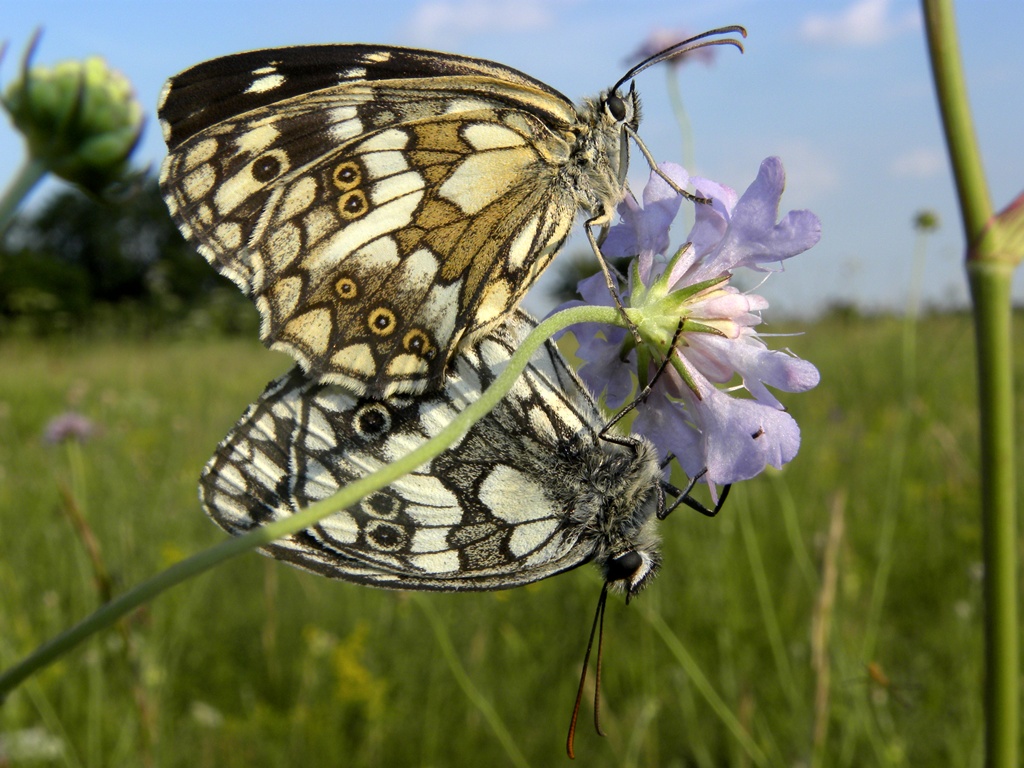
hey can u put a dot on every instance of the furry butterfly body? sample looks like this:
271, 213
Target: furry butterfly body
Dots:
384, 205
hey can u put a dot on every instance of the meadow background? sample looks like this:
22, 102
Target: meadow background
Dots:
830, 616
832, 608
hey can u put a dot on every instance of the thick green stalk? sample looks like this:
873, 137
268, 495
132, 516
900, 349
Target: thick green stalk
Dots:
989, 270
961, 142
990, 290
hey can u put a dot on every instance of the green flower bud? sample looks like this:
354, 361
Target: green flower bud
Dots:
80, 118
926, 221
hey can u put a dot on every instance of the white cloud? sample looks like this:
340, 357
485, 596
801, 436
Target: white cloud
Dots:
441, 22
862, 23
919, 163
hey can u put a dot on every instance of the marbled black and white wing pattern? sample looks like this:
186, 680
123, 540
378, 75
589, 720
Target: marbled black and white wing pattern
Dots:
381, 205
528, 492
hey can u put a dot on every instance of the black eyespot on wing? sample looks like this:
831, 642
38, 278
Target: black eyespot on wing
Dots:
371, 421
266, 168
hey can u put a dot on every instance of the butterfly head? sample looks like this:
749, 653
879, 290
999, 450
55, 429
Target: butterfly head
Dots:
620, 112
620, 109
632, 569
601, 150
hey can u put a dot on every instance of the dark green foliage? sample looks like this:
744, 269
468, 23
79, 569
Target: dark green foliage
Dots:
81, 262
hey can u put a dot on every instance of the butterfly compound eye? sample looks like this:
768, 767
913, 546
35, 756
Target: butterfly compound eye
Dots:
624, 566
616, 107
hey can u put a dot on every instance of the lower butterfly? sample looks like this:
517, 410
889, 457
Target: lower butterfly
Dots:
531, 490
383, 206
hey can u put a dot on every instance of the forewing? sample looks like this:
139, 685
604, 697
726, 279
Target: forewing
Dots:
228, 86
377, 217
491, 512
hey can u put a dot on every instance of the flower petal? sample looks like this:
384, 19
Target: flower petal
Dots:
752, 238
756, 364
743, 436
666, 424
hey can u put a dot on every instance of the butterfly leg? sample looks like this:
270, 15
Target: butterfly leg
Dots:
654, 167
684, 497
606, 269
645, 392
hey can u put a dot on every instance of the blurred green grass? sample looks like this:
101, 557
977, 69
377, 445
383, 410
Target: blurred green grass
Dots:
259, 664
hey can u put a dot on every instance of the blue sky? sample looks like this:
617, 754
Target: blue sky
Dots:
840, 90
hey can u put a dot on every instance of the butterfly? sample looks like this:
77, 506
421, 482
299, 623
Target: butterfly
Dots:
531, 490
383, 206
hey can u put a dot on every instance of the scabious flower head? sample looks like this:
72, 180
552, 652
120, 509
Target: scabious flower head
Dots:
688, 299
69, 426
80, 118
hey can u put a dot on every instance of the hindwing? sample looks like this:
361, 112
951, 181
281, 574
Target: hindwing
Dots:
528, 492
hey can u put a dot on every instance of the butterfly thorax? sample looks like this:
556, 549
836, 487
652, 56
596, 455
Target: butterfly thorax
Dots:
616, 505
600, 153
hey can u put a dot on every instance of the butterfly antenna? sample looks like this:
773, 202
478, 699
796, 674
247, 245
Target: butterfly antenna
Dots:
598, 621
685, 46
600, 657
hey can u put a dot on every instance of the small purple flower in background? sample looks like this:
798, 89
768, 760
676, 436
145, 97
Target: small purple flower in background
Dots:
661, 39
69, 426
686, 414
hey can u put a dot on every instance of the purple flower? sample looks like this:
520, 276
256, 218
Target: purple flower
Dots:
69, 426
687, 414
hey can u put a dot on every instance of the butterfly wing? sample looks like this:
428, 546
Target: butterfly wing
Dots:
243, 82
492, 511
380, 205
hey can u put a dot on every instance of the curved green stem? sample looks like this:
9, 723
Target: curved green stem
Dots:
107, 614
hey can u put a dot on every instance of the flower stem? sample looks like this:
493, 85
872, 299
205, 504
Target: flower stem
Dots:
961, 142
348, 496
990, 290
989, 271
675, 96
27, 177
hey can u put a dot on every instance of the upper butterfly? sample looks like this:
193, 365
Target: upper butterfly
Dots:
383, 205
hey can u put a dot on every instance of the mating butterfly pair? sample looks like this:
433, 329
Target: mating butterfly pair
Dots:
386, 209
